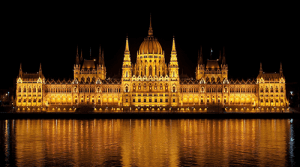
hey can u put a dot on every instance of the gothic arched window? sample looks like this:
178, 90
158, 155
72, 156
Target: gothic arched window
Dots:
150, 70
271, 89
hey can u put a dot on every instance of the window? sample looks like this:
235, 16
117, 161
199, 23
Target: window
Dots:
133, 100
166, 100
160, 100
139, 100
126, 100
145, 100
173, 100
150, 100
155, 100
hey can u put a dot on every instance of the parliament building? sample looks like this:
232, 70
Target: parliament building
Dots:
151, 85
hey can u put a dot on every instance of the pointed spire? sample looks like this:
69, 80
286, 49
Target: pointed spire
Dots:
211, 51
103, 58
173, 45
127, 46
77, 51
81, 58
150, 31
20, 70
260, 69
40, 70
99, 59
77, 56
280, 68
200, 56
223, 57
90, 52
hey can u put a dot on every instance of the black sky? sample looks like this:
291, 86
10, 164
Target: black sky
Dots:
251, 33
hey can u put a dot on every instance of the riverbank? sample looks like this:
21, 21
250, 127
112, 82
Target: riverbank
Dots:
148, 115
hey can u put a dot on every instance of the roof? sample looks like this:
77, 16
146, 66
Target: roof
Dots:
150, 45
31, 76
88, 64
271, 76
212, 64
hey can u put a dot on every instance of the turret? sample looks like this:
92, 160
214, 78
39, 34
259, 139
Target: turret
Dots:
223, 57
99, 58
102, 58
40, 70
173, 67
77, 56
200, 65
81, 58
126, 69
260, 69
20, 71
90, 53
224, 66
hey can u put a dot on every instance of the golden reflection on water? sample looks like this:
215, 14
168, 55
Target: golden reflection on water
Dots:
184, 142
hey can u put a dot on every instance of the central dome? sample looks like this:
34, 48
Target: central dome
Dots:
150, 45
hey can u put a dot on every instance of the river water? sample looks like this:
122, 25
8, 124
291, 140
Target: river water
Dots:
149, 142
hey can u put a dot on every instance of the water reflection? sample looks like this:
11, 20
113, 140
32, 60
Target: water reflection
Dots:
118, 142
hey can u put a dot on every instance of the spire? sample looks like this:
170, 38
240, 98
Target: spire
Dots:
127, 61
150, 31
211, 51
90, 52
260, 69
81, 58
173, 61
200, 56
223, 57
20, 70
280, 68
40, 70
102, 59
77, 56
99, 59
127, 46
173, 45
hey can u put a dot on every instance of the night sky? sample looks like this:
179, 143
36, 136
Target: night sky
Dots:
267, 33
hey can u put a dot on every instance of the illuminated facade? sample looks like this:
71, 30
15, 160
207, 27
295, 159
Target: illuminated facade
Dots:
151, 85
